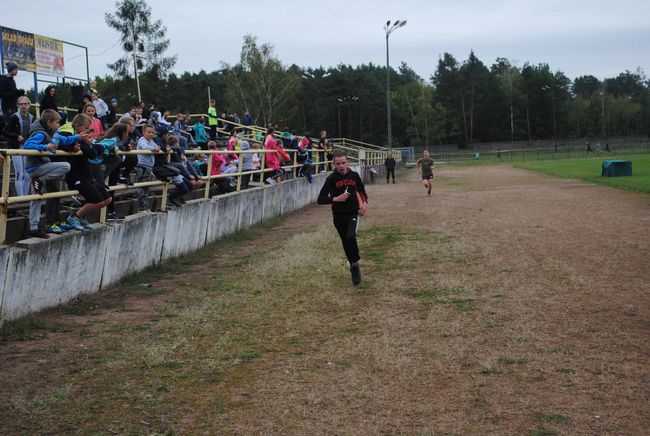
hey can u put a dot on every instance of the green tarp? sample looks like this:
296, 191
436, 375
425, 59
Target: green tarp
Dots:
616, 168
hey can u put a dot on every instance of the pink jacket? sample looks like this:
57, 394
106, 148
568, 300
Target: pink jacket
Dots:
272, 159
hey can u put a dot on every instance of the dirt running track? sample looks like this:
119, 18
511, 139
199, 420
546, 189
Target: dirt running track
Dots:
509, 303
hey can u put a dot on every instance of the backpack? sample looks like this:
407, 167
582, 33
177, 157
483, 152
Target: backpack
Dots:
165, 172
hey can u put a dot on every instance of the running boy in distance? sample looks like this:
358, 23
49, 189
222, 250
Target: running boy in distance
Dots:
425, 167
344, 190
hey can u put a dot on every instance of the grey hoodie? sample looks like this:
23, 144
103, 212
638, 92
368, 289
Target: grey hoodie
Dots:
247, 164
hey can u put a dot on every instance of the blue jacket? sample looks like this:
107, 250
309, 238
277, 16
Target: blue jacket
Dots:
104, 148
39, 138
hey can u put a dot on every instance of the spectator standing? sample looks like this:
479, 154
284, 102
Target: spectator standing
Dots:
96, 128
247, 163
199, 134
323, 150
85, 99
248, 120
390, 165
9, 93
17, 131
112, 112
101, 108
144, 169
146, 110
92, 88
213, 119
49, 101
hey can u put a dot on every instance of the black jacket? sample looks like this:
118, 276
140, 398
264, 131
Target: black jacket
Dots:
48, 102
12, 130
79, 166
9, 93
389, 163
335, 185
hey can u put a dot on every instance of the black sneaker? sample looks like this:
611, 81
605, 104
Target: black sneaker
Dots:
125, 181
114, 216
356, 273
38, 233
37, 186
77, 200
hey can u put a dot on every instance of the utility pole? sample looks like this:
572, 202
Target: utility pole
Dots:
389, 29
135, 63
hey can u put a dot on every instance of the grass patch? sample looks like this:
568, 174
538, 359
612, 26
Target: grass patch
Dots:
506, 360
589, 170
30, 328
542, 432
551, 417
378, 243
491, 370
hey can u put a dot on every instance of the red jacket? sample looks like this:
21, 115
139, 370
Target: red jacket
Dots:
217, 161
272, 159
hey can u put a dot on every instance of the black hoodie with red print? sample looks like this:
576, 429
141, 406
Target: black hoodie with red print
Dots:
336, 184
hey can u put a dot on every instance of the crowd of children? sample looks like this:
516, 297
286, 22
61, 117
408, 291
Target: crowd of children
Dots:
98, 134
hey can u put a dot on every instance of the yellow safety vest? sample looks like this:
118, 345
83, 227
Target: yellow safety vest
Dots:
212, 111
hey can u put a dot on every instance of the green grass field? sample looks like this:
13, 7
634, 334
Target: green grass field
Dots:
589, 170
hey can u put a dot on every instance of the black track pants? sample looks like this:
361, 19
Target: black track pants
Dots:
346, 225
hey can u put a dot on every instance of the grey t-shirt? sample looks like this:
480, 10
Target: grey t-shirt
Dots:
427, 166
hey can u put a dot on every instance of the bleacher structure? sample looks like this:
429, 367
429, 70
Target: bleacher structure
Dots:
14, 209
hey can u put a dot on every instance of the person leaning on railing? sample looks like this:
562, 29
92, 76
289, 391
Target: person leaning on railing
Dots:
144, 169
81, 177
42, 171
17, 131
304, 158
273, 159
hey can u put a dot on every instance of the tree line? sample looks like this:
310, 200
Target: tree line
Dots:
462, 102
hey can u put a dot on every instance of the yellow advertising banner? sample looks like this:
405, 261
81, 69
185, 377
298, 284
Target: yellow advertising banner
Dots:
49, 56
18, 47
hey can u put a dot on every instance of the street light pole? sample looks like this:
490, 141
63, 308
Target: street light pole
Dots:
389, 29
347, 100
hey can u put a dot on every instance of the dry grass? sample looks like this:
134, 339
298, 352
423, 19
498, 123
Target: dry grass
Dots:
476, 315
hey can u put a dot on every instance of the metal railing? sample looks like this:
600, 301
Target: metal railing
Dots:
6, 155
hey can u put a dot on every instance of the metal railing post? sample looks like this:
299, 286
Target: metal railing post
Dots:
240, 166
262, 164
208, 174
4, 213
163, 200
102, 211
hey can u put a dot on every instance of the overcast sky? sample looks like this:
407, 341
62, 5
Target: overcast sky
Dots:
596, 37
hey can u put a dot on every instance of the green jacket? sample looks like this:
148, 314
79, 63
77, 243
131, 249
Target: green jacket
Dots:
212, 116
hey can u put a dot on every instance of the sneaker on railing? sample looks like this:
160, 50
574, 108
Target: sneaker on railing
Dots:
37, 185
125, 181
54, 228
84, 222
38, 233
114, 216
63, 225
74, 222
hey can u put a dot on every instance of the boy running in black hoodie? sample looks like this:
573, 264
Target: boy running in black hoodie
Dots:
344, 190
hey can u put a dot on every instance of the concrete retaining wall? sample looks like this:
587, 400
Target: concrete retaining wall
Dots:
36, 274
